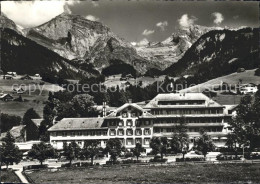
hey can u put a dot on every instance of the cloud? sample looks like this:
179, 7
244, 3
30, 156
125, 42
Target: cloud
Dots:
34, 13
185, 21
147, 32
218, 17
162, 25
143, 42
94, 3
92, 18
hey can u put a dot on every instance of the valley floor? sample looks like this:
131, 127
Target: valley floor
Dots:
188, 173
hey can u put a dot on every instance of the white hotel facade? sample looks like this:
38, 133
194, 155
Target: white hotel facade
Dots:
133, 123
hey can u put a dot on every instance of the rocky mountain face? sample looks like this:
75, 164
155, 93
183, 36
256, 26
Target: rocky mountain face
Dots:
7, 23
219, 52
83, 41
25, 56
173, 48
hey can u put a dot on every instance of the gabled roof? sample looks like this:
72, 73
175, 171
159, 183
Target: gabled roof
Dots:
134, 105
5, 95
179, 97
78, 124
37, 122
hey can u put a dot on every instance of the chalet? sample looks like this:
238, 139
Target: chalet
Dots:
18, 133
12, 73
8, 77
26, 77
128, 76
248, 88
6, 97
37, 75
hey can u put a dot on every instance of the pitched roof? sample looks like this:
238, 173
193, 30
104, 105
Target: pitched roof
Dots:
5, 95
179, 97
134, 105
37, 122
78, 124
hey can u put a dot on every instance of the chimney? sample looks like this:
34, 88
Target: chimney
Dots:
104, 109
129, 100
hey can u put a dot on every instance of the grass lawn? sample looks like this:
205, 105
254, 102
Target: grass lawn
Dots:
212, 173
35, 99
9, 177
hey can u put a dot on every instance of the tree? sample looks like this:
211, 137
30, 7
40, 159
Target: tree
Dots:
9, 151
232, 141
71, 151
8, 121
32, 132
91, 149
114, 148
159, 145
41, 152
246, 124
204, 143
180, 139
83, 104
138, 150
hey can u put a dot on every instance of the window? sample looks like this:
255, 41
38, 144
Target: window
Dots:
120, 132
112, 123
104, 133
129, 141
133, 115
124, 115
92, 133
72, 133
112, 132
147, 132
147, 123
138, 141
138, 132
129, 123
157, 130
146, 141
79, 133
54, 134
64, 133
121, 123
129, 132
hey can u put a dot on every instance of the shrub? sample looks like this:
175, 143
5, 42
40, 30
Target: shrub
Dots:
257, 72
112, 162
228, 157
128, 154
252, 156
159, 160
131, 161
28, 167
187, 159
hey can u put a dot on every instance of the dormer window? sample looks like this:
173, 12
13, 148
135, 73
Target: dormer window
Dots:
133, 115
124, 115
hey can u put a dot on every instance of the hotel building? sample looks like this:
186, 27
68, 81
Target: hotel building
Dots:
133, 123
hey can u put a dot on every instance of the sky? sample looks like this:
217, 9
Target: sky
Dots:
138, 20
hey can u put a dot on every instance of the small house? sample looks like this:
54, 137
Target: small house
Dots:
12, 73
26, 77
8, 77
6, 97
